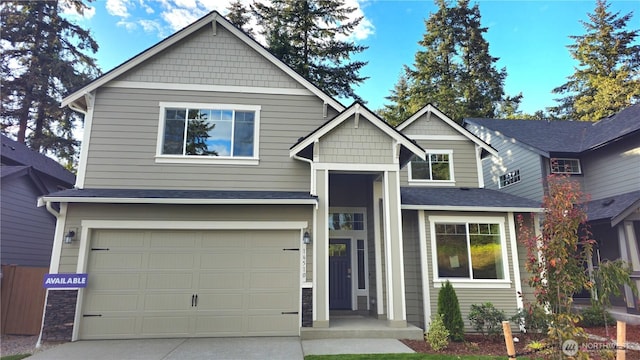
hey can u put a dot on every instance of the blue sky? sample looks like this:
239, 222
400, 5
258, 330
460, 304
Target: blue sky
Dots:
529, 37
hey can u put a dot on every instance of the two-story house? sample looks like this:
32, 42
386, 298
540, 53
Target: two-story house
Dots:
220, 193
603, 156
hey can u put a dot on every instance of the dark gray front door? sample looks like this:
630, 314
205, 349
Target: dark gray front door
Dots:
340, 274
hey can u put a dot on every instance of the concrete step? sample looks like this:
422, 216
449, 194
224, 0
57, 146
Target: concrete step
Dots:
355, 327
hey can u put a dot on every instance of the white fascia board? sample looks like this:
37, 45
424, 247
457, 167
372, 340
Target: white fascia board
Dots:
384, 127
471, 208
176, 37
466, 133
102, 200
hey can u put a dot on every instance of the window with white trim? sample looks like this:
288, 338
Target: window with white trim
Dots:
565, 166
438, 167
470, 250
510, 178
208, 131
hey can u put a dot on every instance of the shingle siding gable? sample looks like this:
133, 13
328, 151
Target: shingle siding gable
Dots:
207, 59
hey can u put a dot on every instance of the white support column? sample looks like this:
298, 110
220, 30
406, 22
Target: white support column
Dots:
378, 238
629, 252
394, 252
321, 253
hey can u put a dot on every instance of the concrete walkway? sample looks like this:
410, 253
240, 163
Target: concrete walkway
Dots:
289, 348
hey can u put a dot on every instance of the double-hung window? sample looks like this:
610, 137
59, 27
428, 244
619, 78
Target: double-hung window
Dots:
468, 249
565, 166
437, 168
208, 133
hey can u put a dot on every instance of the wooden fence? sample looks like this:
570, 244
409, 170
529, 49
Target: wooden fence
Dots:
22, 299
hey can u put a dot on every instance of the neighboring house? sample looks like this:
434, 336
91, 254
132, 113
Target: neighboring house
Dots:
27, 230
219, 193
603, 156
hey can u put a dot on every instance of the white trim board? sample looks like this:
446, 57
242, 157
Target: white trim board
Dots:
207, 88
471, 208
105, 200
193, 225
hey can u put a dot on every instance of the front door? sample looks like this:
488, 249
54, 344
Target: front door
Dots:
340, 274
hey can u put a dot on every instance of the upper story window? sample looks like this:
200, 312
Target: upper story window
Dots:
346, 221
208, 133
509, 178
468, 249
565, 166
437, 168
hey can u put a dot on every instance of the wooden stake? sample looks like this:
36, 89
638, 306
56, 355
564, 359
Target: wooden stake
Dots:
508, 340
621, 340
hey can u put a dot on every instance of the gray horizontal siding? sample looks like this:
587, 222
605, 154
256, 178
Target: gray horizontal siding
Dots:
412, 268
78, 212
464, 161
612, 170
511, 157
204, 58
503, 299
123, 143
27, 230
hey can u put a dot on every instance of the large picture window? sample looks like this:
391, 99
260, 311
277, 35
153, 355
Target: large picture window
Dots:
438, 167
469, 250
211, 131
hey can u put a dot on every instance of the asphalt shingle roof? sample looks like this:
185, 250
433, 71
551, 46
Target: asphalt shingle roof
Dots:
563, 136
15, 153
463, 197
610, 207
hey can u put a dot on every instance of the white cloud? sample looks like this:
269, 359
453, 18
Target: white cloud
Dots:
150, 26
118, 8
70, 11
179, 18
130, 26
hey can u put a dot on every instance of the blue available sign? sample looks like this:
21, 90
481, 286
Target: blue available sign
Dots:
64, 281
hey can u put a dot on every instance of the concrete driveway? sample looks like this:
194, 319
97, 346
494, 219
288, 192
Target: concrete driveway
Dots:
289, 348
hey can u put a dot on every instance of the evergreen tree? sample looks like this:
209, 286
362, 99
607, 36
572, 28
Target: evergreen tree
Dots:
240, 16
454, 71
449, 308
309, 36
607, 78
44, 57
399, 110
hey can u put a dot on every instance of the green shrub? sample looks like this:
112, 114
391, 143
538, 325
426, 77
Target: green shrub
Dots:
438, 335
532, 319
595, 316
449, 308
486, 319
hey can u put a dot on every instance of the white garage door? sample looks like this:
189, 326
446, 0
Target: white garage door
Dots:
145, 284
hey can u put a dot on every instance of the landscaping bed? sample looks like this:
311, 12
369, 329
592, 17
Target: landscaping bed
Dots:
486, 345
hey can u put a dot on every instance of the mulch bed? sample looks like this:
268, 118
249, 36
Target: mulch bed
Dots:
486, 345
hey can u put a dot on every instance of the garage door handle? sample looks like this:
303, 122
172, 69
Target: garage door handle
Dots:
193, 300
196, 299
289, 313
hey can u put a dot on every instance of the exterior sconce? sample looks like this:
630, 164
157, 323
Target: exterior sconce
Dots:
306, 238
69, 237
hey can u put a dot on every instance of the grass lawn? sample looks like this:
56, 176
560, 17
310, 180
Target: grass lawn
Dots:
15, 357
402, 357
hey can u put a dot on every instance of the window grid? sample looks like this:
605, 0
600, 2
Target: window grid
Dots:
436, 167
565, 166
510, 178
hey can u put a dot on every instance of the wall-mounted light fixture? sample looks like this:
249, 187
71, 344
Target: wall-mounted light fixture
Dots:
69, 237
306, 238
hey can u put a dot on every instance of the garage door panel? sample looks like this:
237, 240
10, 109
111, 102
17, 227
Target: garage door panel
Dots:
165, 301
118, 239
112, 302
222, 281
223, 260
169, 281
272, 279
111, 260
220, 325
173, 239
108, 327
165, 325
275, 301
114, 281
243, 278
176, 261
